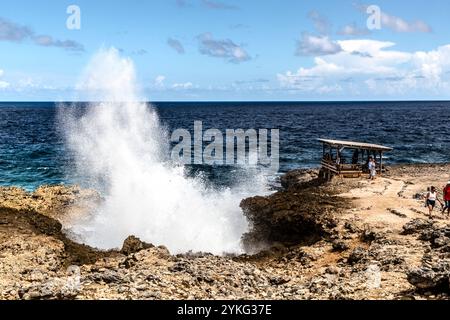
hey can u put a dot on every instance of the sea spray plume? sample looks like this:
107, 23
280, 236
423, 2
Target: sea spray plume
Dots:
109, 77
119, 144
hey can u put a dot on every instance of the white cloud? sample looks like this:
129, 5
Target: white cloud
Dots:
23, 83
399, 25
3, 84
14, 32
329, 89
159, 81
353, 30
226, 48
433, 65
175, 45
311, 45
375, 67
186, 85
321, 24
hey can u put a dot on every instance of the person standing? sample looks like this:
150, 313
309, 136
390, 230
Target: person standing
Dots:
431, 199
447, 199
372, 166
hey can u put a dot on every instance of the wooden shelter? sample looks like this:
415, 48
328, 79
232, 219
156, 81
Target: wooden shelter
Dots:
336, 160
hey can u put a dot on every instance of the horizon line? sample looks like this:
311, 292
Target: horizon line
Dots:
229, 101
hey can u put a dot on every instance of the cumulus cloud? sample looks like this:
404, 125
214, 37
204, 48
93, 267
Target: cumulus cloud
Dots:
353, 30
376, 68
159, 81
311, 45
48, 41
217, 5
397, 24
13, 32
21, 83
321, 24
138, 52
225, 49
185, 85
176, 45
10, 31
3, 84
362, 54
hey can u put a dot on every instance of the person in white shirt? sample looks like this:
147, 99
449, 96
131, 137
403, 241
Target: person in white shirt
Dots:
432, 197
372, 168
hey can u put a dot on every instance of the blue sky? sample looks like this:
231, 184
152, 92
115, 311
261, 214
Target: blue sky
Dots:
231, 50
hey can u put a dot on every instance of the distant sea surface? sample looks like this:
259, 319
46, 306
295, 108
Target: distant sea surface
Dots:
33, 153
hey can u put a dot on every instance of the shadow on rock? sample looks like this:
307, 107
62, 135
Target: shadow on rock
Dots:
31, 221
303, 213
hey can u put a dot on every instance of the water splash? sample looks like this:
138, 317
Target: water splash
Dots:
121, 147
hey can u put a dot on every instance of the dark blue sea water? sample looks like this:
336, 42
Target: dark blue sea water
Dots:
32, 150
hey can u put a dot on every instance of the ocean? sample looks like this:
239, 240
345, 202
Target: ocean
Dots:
33, 150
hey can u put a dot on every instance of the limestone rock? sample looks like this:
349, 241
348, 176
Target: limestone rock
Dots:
133, 244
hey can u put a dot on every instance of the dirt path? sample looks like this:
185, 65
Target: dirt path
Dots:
388, 203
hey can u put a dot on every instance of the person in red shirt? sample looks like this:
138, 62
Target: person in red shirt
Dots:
447, 198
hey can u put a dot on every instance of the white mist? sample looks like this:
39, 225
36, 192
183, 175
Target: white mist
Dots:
121, 145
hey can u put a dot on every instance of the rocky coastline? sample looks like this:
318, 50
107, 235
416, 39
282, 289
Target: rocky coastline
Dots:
344, 239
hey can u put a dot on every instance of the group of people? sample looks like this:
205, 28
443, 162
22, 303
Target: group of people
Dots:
432, 197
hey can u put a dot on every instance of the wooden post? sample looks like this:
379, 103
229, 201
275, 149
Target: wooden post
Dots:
338, 160
381, 163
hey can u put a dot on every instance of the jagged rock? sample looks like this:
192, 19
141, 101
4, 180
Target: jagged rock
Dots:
65, 287
388, 257
441, 241
298, 178
332, 270
204, 277
445, 249
339, 245
278, 281
34, 253
180, 266
163, 252
109, 276
435, 277
357, 255
439, 237
290, 217
298, 254
397, 213
416, 226
133, 244
368, 235
351, 227
320, 285
58, 202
